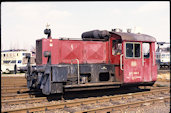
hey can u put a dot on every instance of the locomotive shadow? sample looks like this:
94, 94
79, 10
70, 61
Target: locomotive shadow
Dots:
94, 93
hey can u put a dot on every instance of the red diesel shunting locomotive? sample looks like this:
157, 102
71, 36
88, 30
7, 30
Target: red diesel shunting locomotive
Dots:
102, 59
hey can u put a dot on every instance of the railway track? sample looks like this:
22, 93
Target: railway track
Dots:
13, 90
9, 97
13, 96
12, 79
13, 84
149, 96
123, 108
8, 80
33, 94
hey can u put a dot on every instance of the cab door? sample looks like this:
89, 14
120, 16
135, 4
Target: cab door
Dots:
116, 50
131, 60
147, 61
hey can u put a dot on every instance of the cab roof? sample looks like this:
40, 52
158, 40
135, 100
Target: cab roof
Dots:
134, 37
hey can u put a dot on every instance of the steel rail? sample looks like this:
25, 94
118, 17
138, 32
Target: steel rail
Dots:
13, 90
80, 102
12, 87
18, 96
23, 101
121, 107
13, 83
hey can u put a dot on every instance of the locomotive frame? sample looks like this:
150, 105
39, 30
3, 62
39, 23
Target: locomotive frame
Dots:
103, 59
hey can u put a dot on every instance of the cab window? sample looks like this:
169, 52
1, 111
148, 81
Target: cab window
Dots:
137, 50
146, 50
116, 47
133, 50
129, 50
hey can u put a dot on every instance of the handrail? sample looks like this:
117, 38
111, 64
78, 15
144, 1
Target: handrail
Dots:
121, 61
78, 69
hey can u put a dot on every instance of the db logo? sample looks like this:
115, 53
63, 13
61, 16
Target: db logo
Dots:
133, 63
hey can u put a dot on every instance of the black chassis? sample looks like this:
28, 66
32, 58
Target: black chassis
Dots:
52, 78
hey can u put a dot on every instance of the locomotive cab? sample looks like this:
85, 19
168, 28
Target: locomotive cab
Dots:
134, 58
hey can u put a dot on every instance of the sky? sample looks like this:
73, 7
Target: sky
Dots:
22, 23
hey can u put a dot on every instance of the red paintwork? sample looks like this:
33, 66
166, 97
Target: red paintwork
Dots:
139, 73
70, 50
154, 68
134, 74
115, 59
63, 51
45, 47
96, 52
147, 67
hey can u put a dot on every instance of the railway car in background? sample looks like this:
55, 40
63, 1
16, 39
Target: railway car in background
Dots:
163, 55
10, 58
101, 59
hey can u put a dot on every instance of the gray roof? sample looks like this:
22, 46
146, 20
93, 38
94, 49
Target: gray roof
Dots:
12, 50
134, 37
